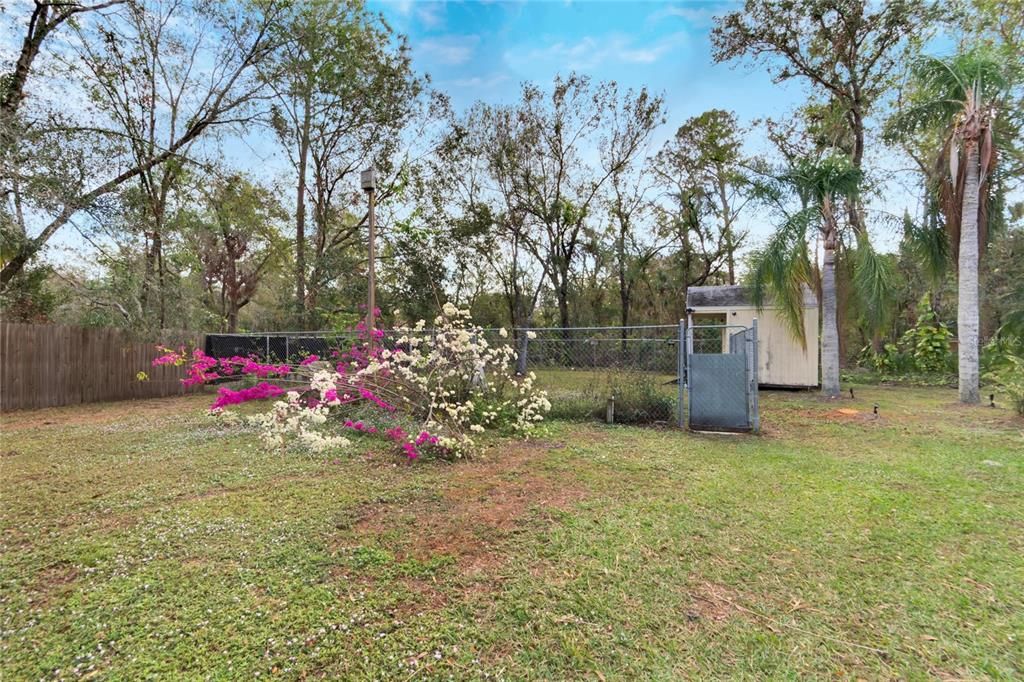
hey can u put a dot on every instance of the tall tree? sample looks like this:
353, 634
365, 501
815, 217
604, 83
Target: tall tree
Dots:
635, 242
46, 17
236, 239
553, 184
784, 270
344, 90
687, 211
960, 97
234, 44
144, 85
469, 190
849, 51
706, 151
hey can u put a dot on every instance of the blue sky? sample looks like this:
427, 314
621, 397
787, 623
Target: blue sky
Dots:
485, 50
479, 50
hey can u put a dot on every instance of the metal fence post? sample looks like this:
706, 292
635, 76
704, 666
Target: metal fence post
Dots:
681, 373
524, 345
268, 347
688, 350
755, 402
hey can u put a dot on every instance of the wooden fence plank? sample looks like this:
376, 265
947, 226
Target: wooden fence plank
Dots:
50, 365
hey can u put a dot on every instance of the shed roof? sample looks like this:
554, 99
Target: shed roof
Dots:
734, 296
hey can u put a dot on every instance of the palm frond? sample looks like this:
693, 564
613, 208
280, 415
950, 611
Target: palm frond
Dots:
873, 282
930, 244
940, 87
783, 269
828, 178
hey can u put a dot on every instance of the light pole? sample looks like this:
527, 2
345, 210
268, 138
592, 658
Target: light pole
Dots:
368, 181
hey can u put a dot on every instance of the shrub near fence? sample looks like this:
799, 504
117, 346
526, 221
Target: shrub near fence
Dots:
581, 368
51, 365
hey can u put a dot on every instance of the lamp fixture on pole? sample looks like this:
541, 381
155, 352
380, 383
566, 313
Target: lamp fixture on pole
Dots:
368, 182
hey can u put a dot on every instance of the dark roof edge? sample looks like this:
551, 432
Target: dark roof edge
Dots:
734, 295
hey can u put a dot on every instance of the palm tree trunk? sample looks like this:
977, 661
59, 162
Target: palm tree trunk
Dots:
967, 302
829, 327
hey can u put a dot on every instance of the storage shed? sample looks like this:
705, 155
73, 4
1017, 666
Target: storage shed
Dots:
782, 360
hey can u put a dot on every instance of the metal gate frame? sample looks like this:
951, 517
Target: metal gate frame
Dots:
747, 344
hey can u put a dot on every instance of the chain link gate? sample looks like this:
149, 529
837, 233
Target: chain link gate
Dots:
718, 364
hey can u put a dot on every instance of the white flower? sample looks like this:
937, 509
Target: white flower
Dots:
453, 372
531, 335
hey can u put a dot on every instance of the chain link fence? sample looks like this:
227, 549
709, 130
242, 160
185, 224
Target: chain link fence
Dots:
622, 374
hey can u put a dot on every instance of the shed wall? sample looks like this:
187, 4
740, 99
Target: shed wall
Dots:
781, 360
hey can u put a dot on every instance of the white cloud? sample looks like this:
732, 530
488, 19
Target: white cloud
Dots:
403, 7
431, 14
450, 50
700, 15
590, 52
479, 82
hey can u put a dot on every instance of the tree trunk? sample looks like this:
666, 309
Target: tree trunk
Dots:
624, 299
560, 279
727, 233
523, 346
967, 300
300, 221
731, 259
563, 303
829, 328
162, 284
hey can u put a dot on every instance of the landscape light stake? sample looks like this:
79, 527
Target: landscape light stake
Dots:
368, 182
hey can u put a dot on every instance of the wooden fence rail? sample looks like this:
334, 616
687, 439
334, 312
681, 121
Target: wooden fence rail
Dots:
50, 365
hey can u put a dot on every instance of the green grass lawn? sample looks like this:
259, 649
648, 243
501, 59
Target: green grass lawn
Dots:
142, 539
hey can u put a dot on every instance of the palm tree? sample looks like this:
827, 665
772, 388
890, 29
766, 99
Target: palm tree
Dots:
959, 96
784, 268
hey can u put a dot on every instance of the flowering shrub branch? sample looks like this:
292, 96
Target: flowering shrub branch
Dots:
429, 392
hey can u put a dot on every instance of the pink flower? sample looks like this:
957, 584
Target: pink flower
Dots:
309, 360
262, 391
425, 437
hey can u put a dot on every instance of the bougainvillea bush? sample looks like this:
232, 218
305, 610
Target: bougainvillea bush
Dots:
429, 392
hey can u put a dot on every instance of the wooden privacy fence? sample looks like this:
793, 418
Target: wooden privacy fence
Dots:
50, 365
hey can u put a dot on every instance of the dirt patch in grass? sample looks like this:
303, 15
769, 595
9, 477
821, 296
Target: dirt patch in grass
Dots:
52, 581
427, 596
840, 414
711, 602
104, 413
481, 504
